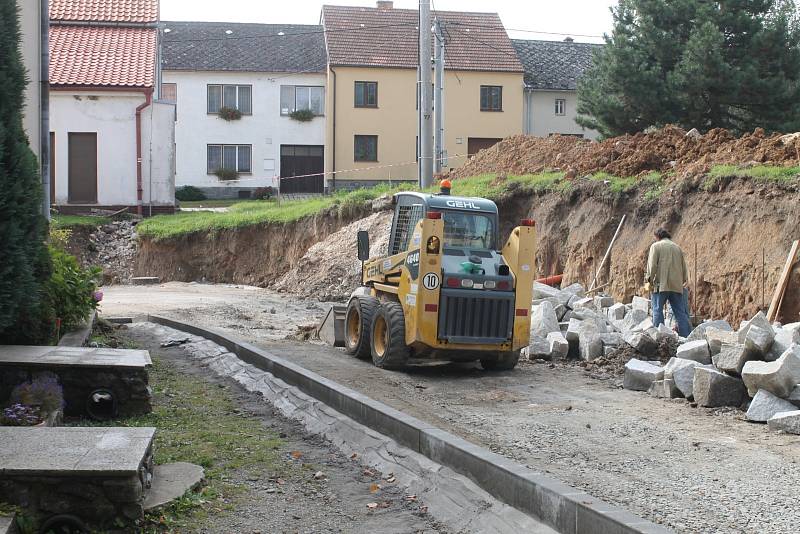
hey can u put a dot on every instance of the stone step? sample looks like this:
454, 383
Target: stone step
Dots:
82, 371
145, 280
7, 525
95, 474
170, 482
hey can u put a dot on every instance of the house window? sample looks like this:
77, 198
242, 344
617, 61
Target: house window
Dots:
366, 95
169, 92
491, 98
237, 158
230, 96
296, 97
365, 148
561, 106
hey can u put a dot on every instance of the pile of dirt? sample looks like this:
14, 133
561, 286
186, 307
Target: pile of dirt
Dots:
111, 246
330, 269
667, 149
613, 365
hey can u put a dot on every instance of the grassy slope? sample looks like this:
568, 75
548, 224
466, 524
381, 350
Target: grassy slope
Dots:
72, 221
487, 186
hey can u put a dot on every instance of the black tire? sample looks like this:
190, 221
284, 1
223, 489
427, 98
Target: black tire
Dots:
357, 324
505, 361
388, 337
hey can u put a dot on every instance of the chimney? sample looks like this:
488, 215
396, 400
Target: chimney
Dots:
384, 4
569, 40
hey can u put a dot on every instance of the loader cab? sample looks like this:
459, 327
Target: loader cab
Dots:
470, 224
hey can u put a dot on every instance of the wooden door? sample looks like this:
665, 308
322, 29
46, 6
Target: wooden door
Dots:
82, 153
476, 144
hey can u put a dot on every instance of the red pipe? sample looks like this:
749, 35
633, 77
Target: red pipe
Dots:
551, 280
148, 99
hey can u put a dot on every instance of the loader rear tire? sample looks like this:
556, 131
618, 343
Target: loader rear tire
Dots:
357, 323
505, 361
388, 337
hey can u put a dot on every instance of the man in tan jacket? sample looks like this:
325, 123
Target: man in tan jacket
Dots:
667, 277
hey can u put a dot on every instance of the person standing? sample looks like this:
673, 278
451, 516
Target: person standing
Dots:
667, 276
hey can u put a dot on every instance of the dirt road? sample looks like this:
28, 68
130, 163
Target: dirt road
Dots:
693, 469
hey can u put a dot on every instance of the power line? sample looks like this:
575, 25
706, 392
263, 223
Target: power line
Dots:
481, 26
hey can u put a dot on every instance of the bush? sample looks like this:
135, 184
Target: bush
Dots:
230, 114
20, 415
302, 115
226, 174
188, 193
71, 289
264, 193
43, 392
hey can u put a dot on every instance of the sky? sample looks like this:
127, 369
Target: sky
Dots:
584, 20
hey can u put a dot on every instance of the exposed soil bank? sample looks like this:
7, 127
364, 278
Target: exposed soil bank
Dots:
253, 255
730, 224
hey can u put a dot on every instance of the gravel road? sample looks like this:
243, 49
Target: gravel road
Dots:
692, 469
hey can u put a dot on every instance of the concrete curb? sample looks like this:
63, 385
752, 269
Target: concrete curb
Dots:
79, 336
566, 509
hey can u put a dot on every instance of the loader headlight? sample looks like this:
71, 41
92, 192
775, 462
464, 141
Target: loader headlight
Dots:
466, 282
490, 284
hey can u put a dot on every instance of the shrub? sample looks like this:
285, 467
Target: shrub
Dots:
43, 392
20, 415
189, 193
71, 289
264, 193
226, 174
302, 115
230, 114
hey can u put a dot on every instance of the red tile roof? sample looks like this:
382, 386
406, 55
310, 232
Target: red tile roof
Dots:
102, 56
372, 37
104, 10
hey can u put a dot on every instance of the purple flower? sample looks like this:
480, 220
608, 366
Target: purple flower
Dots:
98, 295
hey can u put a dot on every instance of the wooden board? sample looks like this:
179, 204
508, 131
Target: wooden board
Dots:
783, 281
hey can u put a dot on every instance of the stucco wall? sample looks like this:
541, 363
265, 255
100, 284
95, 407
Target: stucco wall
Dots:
112, 115
158, 154
541, 119
395, 119
266, 130
31, 55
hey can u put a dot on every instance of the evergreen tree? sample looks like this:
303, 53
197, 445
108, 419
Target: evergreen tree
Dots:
702, 64
24, 262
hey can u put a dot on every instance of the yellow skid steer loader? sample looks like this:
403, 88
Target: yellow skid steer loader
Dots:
445, 291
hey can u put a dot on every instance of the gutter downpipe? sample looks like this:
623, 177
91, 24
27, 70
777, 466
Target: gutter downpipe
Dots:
148, 99
333, 138
44, 106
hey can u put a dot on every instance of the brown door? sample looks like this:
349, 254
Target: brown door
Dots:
476, 144
82, 168
52, 167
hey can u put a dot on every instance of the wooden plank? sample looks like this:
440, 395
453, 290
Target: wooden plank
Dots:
783, 281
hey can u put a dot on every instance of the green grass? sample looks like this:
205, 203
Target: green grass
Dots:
617, 184
760, 173
72, 221
199, 422
214, 203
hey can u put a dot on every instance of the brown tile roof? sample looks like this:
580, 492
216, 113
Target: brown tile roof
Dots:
372, 37
104, 10
102, 56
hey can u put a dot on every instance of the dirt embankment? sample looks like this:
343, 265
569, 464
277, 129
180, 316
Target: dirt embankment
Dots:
253, 255
668, 149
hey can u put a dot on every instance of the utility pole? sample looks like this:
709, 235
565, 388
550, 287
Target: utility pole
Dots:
438, 100
44, 105
426, 114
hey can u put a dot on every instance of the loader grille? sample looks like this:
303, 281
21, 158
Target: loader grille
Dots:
470, 316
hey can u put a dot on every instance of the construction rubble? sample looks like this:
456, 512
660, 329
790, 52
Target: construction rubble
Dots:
755, 368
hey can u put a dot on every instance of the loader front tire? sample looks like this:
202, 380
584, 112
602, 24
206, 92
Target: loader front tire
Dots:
505, 361
357, 323
388, 337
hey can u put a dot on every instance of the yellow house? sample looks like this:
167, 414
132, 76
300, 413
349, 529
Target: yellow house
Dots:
372, 118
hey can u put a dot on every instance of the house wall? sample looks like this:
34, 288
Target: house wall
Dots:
266, 130
395, 119
112, 115
158, 154
540, 115
31, 49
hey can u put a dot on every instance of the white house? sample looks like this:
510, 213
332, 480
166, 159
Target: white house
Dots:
260, 73
552, 71
111, 140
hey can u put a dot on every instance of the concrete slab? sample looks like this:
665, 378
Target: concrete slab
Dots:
49, 357
170, 482
73, 451
7, 525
